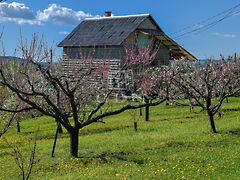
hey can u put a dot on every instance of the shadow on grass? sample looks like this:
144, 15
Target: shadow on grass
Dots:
81, 132
102, 130
231, 110
183, 119
235, 132
107, 157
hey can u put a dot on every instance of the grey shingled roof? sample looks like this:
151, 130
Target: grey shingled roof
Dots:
104, 31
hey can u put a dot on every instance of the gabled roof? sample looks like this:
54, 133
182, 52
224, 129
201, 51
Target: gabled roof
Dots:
112, 31
103, 31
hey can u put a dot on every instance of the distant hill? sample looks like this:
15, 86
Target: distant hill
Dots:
203, 62
10, 58
13, 58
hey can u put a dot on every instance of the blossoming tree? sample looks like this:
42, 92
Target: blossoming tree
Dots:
209, 85
151, 78
72, 101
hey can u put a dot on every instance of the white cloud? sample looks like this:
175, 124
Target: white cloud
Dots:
17, 13
19, 21
229, 35
61, 15
225, 35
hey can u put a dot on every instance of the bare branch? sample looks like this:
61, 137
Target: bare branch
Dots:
127, 107
25, 169
17, 110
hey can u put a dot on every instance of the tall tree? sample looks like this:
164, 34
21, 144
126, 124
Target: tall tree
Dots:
73, 101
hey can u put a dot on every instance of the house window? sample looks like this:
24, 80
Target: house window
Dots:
143, 40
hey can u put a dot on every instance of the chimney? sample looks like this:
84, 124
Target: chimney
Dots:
108, 13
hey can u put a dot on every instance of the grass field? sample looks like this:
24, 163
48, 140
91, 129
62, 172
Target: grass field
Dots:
175, 144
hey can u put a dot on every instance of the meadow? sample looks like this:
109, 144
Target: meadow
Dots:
174, 144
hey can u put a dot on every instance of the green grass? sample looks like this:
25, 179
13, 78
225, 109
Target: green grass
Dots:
175, 144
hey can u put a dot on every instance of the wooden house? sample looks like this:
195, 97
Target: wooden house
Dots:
106, 37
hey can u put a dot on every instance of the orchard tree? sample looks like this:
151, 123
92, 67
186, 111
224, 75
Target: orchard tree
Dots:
73, 101
209, 85
10, 100
7, 118
150, 78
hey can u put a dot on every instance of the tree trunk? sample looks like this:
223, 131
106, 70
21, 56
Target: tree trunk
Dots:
212, 123
147, 109
167, 101
74, 142
147, 113
210, 113
60, 130
18, 127
227, 100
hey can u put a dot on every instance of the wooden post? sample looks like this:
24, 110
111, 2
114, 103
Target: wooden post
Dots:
140, 113
135, 125
18, 127
55, 139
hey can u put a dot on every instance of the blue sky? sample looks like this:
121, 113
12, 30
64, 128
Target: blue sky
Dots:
56, 18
